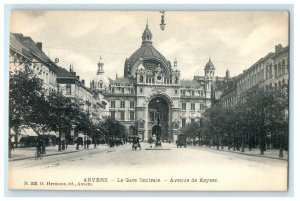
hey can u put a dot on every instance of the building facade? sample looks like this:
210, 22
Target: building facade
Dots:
270, 71
25, 52
151, 97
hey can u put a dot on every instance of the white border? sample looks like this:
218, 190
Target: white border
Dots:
150, 4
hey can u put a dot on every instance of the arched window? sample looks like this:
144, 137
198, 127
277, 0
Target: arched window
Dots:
141, 78
270, 69
275, 70
176, 80
276, 85
267, 72
279, 85
283, 66
279, 69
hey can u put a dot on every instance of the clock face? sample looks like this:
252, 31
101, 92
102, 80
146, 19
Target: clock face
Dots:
159, 77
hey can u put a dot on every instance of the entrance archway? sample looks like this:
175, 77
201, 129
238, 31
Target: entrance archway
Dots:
159, 113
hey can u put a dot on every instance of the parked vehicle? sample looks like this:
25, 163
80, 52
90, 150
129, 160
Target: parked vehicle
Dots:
181, 141
136, 144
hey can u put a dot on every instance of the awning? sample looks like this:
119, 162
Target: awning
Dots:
12, 132
28, 132
53, 133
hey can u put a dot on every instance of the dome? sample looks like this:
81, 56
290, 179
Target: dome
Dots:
100, 81
102, 78
209, 65
147, 35
145, 52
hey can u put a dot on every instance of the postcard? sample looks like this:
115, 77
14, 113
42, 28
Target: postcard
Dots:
148, 100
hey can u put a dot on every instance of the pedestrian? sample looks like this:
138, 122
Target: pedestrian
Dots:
66, 143
12, 146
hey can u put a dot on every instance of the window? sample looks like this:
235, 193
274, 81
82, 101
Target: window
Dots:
176, 126
192, 120
141, 78
101, 85
176, 91
122, 104
68, 89
201, 106
141, 124
183, 121
183, 106
131, 104
279, 69
122, 90
270, 70
132, 116
283, 66
113, 114
192, 106
176, 80
141, 90
193, 93
122, 115
113, 104
113, 90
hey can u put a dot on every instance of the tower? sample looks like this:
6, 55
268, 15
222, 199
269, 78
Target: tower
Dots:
147, 36
209, 70
100, 67
100, 82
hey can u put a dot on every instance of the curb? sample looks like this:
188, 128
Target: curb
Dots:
242, 153
53, 154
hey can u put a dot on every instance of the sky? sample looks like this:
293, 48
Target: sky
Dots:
234, 40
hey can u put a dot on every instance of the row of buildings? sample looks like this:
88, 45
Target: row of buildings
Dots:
150, 98
270, 71
25, 52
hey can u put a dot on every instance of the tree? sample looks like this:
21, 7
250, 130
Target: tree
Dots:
264, 112
25, 93
63, 113
191, 130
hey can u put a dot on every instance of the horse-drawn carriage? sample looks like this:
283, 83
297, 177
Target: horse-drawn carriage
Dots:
136, 144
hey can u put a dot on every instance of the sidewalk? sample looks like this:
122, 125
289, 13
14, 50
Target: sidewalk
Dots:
29, 152
270, 153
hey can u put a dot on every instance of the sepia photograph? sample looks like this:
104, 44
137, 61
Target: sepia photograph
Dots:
153, 100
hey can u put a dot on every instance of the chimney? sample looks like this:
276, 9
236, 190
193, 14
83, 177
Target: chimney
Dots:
83, 82
278, 48
78, 77
39, 45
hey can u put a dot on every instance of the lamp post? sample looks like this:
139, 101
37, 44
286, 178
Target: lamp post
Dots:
158, 130
243, 140
200, 127
162, 23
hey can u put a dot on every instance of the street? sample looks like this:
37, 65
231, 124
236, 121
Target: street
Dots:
179, 168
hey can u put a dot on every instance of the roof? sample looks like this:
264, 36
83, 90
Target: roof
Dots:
62, 72
146, 51
209, 65
280, 52
16, 44
189, 83
123, 81
21, 43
